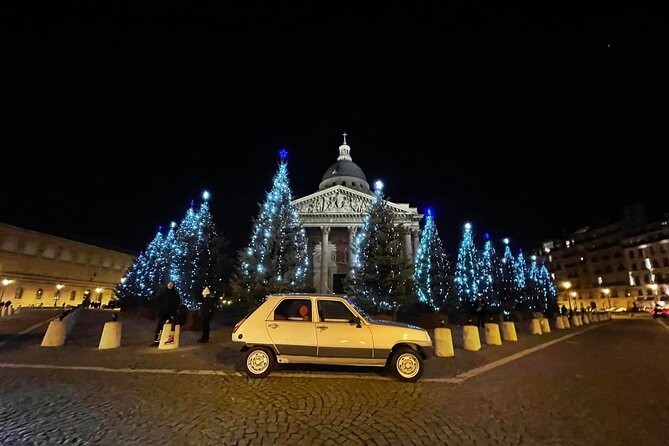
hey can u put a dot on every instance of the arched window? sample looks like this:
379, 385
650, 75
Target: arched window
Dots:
73, 295
39, 293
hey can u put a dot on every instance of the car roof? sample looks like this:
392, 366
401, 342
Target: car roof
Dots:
307, 295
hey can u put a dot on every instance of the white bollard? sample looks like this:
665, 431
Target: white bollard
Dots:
165, 342
545, 326
580, 320
11, 311
55, 334
470, 335
3, 311
492, 336
509, 331
535, 327
574, 321
585, 319
559, 324
565, 322
111, 335
443, 343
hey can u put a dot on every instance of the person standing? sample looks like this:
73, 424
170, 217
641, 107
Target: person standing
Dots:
167, 304
480, 309
207, 310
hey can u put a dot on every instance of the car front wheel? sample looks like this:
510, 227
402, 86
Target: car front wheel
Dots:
259, 362
406, 365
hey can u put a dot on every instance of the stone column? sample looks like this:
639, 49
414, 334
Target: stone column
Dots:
408, 248
352, 231
415, 233
325, 258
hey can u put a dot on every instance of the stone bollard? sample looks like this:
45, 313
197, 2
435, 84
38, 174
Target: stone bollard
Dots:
585, 319
595, 318
580, 320
55, 334
492, 336
3, 311
545, 326
169, 339
559, 324
111, 335
470, 335
535, 327
11, 311
574, 320
565, 322
509, 331
443, 342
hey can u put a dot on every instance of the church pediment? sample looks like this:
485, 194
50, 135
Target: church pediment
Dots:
342, 200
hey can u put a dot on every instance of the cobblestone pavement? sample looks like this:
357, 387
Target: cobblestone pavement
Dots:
600, 387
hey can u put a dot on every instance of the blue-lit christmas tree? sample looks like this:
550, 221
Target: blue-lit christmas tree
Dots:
380, 275
519, 278
533, 289
507, 286
276, 259
487, 274
546, 291
431, 267
466, 270
182, 256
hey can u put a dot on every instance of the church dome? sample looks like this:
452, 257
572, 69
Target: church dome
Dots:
345, 172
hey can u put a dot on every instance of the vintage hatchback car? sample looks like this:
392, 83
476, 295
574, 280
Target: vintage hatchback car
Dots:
330, 329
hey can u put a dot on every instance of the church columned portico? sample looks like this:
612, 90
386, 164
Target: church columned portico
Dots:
333, 215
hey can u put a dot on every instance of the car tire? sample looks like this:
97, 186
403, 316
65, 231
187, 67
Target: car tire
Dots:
259, 362
406, 364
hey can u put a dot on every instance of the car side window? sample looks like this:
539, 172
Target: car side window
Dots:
334, 311
293, 310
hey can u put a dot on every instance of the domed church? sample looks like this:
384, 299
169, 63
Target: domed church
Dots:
333, 214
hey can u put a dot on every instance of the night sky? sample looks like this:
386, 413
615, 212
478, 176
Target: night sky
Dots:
527, 121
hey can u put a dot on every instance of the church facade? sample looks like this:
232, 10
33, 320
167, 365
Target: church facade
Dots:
333, 214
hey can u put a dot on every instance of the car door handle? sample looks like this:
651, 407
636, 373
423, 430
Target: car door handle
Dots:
322, 327
273, 325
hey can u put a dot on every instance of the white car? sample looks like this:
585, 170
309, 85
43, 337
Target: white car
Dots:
330, 329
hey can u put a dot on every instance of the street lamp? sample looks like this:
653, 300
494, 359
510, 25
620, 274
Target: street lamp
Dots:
5, 282
607, 292
566, 286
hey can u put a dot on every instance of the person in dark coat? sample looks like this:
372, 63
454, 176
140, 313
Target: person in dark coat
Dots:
167, 304
479, 311
206, 314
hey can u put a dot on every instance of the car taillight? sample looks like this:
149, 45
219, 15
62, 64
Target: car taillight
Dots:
239, 324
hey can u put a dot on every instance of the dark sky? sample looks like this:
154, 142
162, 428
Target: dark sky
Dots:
526, 119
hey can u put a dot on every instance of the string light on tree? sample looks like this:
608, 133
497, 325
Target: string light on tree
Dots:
466, 269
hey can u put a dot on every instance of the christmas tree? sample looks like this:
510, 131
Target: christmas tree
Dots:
507, 286
380, 275
519, 280
533, 288
466, 270
487, 268
547, 291
431, 267
276, 259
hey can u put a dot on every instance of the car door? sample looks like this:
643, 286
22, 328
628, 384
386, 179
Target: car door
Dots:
291, 327
337, 335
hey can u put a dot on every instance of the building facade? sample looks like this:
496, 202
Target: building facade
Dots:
38, 269
333, 214
614, 266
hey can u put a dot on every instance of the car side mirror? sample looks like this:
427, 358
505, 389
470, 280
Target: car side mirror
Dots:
356, 320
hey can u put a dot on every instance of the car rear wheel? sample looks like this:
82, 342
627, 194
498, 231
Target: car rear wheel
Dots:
259, 362
406, 365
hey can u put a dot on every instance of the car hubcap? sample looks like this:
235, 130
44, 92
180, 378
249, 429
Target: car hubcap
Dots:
407, 365
257, 362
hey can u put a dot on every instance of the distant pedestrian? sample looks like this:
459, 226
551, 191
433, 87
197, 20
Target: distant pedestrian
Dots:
207, 310
564, 310
480, 312
167, 304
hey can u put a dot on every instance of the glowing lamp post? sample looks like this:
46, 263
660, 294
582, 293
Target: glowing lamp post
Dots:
566, 286
607, 293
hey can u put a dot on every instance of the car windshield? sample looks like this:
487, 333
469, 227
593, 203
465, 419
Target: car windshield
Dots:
357, 308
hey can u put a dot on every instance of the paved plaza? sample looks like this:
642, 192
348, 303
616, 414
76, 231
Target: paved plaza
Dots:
597, 384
